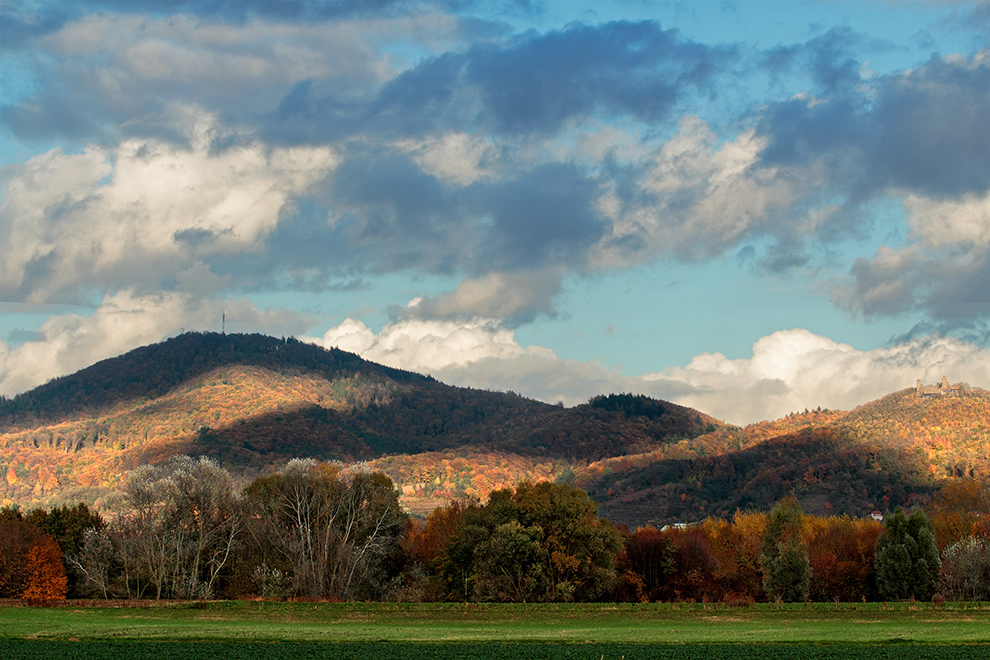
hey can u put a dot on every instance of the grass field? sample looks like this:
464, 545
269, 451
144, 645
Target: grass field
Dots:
380, 631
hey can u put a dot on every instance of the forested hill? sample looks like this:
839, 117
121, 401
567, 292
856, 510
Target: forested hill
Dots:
895, 451
253, 402
155, 370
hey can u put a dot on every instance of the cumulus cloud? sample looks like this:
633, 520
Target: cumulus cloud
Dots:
111, 71
695, 197
296, 145
493, 159
788, 371
480, 353
429, 346
943, 268
69, 342
791, 370
513, 297
140, 213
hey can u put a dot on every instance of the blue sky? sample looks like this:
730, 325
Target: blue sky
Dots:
751, 208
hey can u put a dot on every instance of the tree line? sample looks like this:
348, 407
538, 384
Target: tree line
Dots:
183, 530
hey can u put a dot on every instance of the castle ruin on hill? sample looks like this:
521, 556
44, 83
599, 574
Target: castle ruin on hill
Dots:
941, 389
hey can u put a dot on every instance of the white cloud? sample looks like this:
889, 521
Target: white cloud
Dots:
128, 63
429, 346
791, 370
122, 322
144, 210
457, 158
699, 197
936, 223
788, 371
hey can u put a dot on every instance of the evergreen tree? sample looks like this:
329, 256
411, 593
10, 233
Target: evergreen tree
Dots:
783, 555
907, 562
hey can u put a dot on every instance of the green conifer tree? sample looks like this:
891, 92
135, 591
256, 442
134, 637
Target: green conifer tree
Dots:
907, 561
783, 555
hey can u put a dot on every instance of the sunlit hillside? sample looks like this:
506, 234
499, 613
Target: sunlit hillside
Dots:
254, 402
887, 453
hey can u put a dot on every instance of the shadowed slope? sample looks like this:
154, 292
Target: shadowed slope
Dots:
253, 402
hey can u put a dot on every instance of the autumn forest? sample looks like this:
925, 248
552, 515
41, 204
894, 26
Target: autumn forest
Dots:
214, 465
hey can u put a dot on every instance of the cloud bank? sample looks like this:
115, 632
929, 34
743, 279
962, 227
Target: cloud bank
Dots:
788, 371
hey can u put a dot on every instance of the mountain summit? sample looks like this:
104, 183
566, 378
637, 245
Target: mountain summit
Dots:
253, 401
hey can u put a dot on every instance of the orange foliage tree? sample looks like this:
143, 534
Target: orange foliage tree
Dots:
961, 509
46, 575
840, 550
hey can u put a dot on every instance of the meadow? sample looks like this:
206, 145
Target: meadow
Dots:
243, 629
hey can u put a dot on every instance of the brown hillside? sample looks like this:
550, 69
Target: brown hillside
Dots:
253, 402
887, 453
950, 434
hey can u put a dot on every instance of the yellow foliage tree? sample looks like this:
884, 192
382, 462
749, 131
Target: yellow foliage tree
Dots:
46, 575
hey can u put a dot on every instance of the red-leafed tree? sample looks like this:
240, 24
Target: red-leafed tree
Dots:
16, 540
649, 553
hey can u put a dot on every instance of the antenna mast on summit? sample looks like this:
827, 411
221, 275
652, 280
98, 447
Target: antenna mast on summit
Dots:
223, 323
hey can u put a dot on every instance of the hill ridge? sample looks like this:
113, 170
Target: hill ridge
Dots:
126, 376
253, 401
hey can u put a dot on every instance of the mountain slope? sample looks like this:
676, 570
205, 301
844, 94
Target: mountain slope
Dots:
253, 402
153, 371
887, 453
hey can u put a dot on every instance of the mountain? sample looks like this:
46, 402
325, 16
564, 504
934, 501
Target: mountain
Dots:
253, 402
891, 452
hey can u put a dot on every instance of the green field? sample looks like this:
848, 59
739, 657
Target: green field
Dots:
380, 631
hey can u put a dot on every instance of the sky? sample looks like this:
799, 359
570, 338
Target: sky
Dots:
750, 208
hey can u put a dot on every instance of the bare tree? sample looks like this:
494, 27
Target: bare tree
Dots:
95, 561
332, 531
178, 528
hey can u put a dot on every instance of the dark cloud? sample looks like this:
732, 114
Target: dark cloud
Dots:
329, 87
850, 141
513, 298
404, 218
961, 292
303, 253
973, 331
828, 58
533, 83
931, 130
881, 286
195, 237
924, 131
25, 21
398, 215
538, 83
543, 217
380, 213
951, 288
